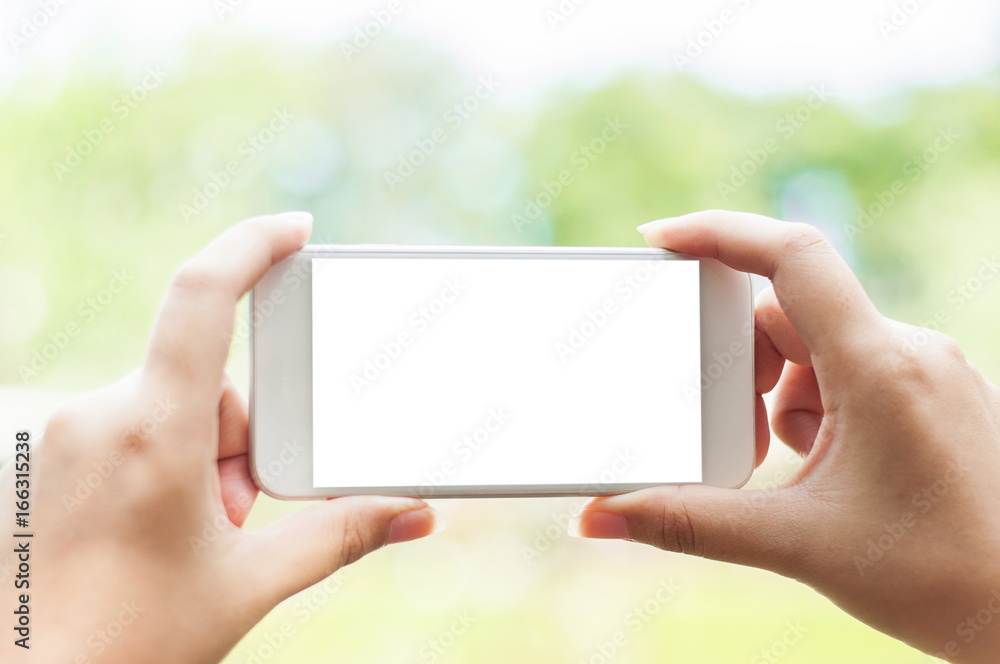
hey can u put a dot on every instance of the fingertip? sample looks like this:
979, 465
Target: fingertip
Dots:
300, 220
656, 224
415, 524
598, 525
763, 431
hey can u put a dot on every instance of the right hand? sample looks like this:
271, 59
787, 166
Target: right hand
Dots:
894, 514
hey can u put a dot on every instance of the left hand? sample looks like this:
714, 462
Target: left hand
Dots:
139, 491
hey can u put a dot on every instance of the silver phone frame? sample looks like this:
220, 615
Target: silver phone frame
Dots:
728, 435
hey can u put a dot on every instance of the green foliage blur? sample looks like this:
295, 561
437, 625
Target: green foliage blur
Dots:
95, 220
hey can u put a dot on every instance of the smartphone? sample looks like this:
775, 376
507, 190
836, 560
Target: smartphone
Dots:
499, 371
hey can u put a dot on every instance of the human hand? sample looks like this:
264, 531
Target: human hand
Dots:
152, 565
893, 513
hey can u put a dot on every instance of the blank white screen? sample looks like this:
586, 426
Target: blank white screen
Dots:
503, 371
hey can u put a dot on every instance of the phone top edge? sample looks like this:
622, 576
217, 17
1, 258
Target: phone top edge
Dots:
411, 249
490, 491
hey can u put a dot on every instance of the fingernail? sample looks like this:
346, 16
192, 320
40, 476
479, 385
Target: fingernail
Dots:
415, 524
642, 228
298, 218
598, 525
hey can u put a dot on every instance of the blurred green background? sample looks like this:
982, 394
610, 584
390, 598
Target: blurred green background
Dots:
118, 164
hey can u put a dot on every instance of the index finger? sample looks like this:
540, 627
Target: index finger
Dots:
190, 341
817, 290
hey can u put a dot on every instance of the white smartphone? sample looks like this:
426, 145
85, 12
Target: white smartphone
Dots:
499, 371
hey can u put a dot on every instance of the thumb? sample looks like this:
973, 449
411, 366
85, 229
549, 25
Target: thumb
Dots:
304, 548
762, 528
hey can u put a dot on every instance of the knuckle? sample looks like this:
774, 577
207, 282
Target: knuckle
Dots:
907, 366
948, 349
67, 425
352, 544
926, 360
921, 354
800, 237
678, 528
196, 277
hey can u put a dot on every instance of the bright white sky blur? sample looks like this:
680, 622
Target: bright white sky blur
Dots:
768, 46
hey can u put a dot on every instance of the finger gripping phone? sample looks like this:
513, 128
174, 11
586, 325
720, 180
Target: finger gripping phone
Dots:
499, 371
